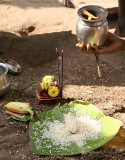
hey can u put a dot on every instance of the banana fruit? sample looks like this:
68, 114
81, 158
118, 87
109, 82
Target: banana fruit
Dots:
19, 107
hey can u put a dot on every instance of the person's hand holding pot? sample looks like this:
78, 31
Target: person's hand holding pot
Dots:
111, 45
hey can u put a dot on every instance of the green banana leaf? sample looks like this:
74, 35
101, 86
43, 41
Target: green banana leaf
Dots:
25, 119
45, 146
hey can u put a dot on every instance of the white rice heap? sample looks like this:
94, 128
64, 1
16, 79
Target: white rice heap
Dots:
76, 129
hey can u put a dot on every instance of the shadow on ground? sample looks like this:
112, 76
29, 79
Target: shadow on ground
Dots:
37, 56
31, 3
38, 53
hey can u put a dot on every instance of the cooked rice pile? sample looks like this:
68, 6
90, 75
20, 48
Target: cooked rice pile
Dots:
76, 129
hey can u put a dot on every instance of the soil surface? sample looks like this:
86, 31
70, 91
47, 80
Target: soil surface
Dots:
30, 31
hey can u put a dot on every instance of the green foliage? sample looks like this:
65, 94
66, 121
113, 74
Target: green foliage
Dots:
25, 119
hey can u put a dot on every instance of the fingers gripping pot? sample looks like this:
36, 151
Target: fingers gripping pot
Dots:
90, 30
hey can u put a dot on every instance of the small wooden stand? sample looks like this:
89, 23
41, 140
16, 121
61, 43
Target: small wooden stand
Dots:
42, 95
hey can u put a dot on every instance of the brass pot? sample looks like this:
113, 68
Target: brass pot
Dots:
95, 30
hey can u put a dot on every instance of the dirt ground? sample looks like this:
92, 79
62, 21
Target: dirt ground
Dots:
29, 33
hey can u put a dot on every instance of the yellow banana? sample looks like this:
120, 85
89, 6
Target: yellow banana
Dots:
19, 107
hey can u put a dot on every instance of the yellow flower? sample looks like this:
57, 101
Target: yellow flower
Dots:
48, 79
53, 91
44, 85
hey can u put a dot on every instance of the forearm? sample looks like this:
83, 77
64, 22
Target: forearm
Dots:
121, 18
122, 43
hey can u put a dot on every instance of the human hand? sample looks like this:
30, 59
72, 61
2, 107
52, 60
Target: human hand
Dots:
111, 45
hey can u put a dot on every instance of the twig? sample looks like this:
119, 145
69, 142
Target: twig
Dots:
98, 65
60, 69
58, 66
